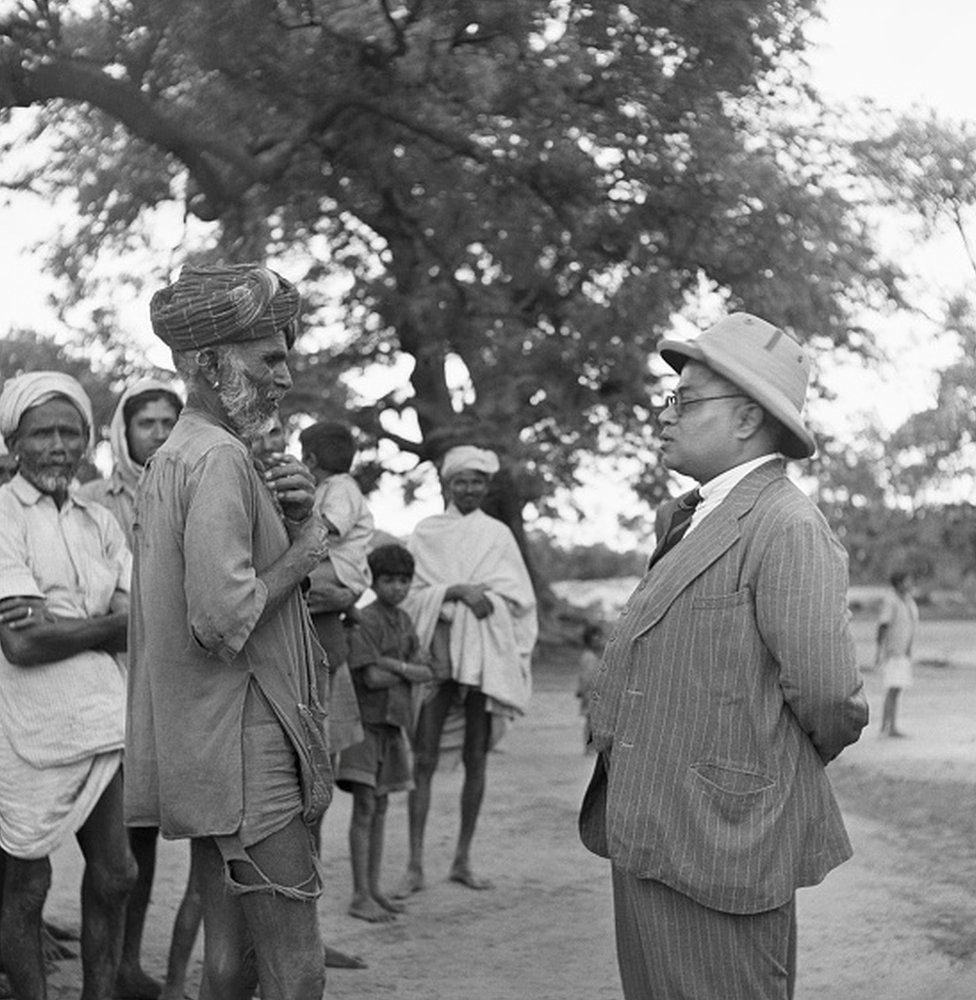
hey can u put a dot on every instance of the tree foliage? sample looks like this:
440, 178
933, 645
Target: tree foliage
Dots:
925, 165
102, 376
526, 190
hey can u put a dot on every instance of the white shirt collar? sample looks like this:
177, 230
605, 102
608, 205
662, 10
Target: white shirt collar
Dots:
716, 490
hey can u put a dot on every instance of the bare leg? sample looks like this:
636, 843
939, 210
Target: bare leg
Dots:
376, 833
229, 971
185, 929
891, 711
26, 885
131, 981
284, 930
110, 872
427, 738
475, 758
363, 905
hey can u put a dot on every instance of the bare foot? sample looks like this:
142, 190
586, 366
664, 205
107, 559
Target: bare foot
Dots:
133, 984
61, 933
335, 959
389, 904
53, 948
463, 874
897, 734
369, 910
411, 882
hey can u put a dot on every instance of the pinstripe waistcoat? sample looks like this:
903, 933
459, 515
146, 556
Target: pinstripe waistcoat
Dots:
727, 684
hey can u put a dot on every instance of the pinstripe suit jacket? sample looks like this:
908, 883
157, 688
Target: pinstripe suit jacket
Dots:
728, 683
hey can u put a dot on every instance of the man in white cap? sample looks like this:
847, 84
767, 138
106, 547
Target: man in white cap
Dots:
64, 589
727, 685
473, 607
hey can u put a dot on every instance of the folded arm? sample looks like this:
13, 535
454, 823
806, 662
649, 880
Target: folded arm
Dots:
31, 636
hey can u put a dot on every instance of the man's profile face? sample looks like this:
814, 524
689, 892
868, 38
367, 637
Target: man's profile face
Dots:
149, 427
467, 489
253, 378
50, 443
700, 442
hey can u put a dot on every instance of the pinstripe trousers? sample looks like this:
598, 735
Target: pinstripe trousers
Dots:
671, 948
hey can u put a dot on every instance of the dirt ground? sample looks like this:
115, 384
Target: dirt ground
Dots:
897, 922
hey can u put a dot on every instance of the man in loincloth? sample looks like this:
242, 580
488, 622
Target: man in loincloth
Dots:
225, 743
64, 590
474, 610
144, 418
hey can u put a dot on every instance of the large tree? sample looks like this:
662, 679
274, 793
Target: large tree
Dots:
523, 191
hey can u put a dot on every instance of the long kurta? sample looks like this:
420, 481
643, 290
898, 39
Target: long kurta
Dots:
206, 527
61, 723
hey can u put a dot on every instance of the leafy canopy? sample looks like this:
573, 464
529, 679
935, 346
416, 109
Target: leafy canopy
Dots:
529, 191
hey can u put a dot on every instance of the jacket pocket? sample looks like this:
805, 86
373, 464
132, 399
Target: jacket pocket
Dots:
718, 602
732, 794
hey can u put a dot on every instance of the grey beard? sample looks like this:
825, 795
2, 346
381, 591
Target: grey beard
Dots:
247, 413
47, 482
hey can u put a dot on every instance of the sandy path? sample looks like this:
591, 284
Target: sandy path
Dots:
898, 922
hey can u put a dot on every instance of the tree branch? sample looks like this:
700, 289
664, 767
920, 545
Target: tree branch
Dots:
961, 226
79, 81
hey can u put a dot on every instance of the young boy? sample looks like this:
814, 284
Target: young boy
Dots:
343, 576
896, 630
386, 662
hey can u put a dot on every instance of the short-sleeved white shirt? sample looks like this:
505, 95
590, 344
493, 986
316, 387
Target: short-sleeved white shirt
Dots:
76, 559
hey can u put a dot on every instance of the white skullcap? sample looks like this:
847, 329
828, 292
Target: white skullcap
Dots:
24, 392
467, 457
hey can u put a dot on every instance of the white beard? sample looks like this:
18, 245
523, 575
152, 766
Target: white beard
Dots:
248, 413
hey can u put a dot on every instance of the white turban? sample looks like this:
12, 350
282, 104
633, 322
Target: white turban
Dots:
466, 457
24, 392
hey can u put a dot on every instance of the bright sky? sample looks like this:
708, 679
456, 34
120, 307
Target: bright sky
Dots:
903, 55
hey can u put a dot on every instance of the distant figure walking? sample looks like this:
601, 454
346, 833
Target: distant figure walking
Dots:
589, 663
896, 631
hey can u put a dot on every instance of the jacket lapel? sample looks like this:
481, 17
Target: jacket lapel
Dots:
711, 539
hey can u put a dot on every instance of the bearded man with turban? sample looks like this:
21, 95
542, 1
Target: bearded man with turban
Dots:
64, 597
224, 742
473, 606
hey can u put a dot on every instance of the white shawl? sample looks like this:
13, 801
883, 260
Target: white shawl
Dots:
491, 653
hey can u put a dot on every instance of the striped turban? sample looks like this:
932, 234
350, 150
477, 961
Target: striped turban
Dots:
24, 392
467, 457
224, 304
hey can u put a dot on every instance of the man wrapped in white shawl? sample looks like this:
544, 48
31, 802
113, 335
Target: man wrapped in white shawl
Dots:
474, 610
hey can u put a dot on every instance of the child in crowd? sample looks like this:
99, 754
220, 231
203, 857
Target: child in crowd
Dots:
897, 623
340, 580
588, 664
386, 662
343, 576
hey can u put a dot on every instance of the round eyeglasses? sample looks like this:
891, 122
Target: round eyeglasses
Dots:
680, 403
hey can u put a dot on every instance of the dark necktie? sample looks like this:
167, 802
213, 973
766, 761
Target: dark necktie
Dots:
680, 522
